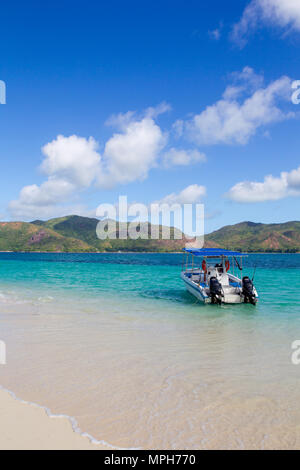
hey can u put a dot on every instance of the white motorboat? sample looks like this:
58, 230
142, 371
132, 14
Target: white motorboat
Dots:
214, 280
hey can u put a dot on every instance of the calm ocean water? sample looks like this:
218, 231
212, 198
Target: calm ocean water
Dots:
117, 342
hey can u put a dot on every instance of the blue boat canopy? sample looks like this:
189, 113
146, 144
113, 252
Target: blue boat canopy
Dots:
213, 252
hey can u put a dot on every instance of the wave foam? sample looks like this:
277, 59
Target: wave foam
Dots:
71, 419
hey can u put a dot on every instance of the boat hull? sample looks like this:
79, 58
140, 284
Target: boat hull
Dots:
195, 290
200, 293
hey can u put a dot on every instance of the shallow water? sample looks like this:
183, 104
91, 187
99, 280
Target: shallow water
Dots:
117, 342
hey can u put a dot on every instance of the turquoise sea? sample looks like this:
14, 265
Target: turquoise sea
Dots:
115, 341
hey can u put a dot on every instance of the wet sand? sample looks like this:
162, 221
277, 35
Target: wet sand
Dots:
26, 426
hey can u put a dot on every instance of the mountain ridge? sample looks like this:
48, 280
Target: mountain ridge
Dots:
258, 237
78, 234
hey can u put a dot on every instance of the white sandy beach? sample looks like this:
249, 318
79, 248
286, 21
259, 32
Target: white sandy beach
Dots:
28, 427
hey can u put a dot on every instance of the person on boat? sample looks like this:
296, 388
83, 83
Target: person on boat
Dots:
219, 267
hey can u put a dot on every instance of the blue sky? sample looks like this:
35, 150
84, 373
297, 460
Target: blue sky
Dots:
136, 92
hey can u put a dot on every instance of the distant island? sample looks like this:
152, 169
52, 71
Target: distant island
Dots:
73, 234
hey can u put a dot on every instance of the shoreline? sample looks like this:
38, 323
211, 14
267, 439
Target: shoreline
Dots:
29, 426
135, 252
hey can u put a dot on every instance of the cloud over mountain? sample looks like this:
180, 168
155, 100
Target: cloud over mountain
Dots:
271, 189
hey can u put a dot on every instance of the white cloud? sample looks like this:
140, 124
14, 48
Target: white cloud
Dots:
245, 81
281, 13
73, 164
293, 179
74, 159
271, 189
48, 193
190, 195
245, 107
177, 157
130, 154
154, 112
30, 212
178, 128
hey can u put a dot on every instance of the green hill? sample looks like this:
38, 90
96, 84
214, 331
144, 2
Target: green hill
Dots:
252, 237
84, 228
78, 234
21, 236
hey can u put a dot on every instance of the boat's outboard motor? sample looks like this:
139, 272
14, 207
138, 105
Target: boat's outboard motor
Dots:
248, 291
216, 292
